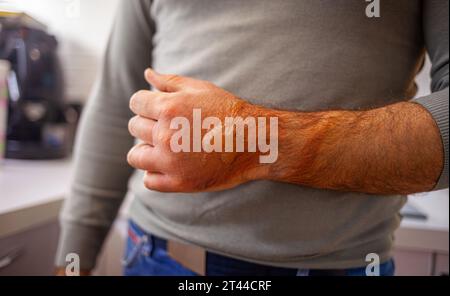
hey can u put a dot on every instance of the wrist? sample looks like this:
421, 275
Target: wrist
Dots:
286, 139
302, 137
299, 136
252, 167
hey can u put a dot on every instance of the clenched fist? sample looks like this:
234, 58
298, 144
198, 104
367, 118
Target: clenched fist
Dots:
192, 136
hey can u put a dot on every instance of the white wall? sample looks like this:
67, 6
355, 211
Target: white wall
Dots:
82, 28
423, 80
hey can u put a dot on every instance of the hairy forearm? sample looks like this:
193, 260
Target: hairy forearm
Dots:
395, 149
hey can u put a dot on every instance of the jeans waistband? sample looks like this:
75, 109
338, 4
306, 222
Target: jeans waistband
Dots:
136, 234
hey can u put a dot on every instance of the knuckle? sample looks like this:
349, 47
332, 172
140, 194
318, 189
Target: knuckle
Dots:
169, 109
141, 159
164, 140
158, 98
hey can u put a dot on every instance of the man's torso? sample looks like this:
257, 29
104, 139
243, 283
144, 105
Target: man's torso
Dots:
299, 55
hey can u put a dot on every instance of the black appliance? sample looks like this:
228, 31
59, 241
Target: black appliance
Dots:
39, 122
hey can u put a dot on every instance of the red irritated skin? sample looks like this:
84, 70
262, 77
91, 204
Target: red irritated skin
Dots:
378, 151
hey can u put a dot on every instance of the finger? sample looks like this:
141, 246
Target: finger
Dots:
147, 103
160, 182
144, 157
142, 128
165, 82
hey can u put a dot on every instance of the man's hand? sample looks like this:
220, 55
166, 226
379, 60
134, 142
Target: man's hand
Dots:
185, 172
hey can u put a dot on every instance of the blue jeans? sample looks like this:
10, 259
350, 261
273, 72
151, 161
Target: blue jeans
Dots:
146, 255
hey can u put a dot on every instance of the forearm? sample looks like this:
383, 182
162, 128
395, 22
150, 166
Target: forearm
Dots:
394, 149
390, 150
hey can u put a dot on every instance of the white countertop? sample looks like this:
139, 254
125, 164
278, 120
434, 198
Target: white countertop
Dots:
429, 234
435, 205
29, 183
32, 192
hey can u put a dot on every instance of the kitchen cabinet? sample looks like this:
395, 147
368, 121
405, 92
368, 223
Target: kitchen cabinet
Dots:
31, 195
29, 252
441, 264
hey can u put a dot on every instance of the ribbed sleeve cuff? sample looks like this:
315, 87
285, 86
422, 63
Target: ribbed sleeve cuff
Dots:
437, 105
83, 240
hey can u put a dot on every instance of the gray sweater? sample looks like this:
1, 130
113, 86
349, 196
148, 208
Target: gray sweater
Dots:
292, 54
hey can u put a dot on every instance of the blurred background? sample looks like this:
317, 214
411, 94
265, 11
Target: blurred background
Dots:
50, 53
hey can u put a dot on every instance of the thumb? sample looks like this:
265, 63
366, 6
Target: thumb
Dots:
164, 82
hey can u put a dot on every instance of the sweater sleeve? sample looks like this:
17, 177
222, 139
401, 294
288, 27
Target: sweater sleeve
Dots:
101, 170
435, 28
